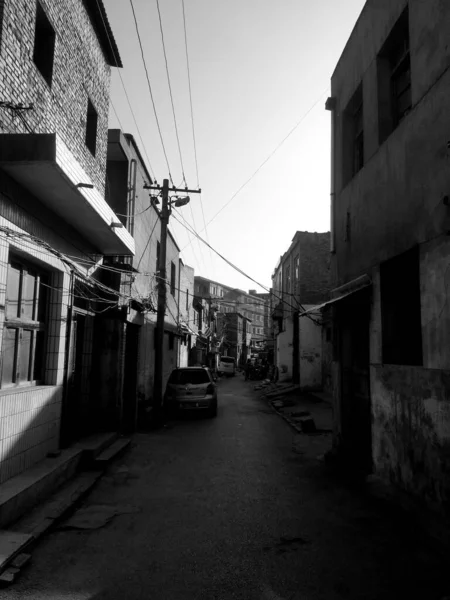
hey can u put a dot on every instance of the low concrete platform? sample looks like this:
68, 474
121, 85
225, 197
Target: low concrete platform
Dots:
27, 530
21, 493
94, 445
112, 452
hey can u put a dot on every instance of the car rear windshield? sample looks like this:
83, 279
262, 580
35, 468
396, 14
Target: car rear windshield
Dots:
193, 376
227, 359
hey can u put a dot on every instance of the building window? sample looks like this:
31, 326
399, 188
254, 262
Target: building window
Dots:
353, 136
24, 329
296, 273
131, 200
171, 341
44, 45
91, 128
173, 272
288, 279
187, 300
400, 310
394, 78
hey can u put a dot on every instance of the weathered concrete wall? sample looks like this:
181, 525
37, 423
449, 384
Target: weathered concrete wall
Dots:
411, 405
434, 284
310, 357
392, 204
395, 200
284, 351
411, 429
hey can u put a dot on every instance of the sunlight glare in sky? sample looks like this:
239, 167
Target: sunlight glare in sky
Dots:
257, 67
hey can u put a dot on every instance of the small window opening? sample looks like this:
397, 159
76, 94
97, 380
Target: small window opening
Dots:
401, 310
91, 128
394, 78
172, 278
353, 136
44, 45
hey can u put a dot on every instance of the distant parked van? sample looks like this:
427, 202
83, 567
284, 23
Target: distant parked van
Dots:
227, 366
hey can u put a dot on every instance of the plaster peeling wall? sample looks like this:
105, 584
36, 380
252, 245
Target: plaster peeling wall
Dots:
310, 354
411, 429
285, 351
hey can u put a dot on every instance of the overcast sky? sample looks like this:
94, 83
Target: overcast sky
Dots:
257, 68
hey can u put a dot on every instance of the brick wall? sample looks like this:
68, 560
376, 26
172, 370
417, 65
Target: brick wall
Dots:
80, 71
314, 267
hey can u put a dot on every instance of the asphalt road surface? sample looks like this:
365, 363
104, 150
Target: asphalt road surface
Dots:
232, 507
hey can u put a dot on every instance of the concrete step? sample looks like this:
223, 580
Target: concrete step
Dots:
322, 396
12, 544
94, 445
13, 569
36, 523
20, 494
282, 391
58, 505
115, 450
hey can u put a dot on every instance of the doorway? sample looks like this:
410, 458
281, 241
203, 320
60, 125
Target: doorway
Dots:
356, 413
75, 415
129, 398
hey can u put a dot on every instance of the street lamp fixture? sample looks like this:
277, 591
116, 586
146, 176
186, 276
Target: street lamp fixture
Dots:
181, 201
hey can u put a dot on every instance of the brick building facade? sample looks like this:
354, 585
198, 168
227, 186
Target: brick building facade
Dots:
55, 224
299, 281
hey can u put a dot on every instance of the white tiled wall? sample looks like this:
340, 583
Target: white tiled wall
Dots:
29, 415
29, 427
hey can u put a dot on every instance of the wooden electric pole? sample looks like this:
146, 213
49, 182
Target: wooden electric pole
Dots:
162, 290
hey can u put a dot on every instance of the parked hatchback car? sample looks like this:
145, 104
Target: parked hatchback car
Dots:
191, 389
227, 366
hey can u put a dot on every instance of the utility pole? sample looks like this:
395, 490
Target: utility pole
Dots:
165, 213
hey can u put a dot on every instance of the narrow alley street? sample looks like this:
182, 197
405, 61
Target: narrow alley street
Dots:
232, 507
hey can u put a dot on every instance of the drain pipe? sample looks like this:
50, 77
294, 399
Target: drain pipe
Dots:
330, 105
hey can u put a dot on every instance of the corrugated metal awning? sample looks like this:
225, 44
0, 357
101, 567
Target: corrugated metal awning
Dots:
356, 285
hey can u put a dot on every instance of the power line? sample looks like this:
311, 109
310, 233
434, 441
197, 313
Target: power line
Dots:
193, 126
117, 116
126, 93
136, 214
245, 274
173, 112
198, 241
267, 159
150, 89
190, 92
32, 241
170, 90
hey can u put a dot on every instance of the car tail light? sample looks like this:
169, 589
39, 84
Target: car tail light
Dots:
210, 389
